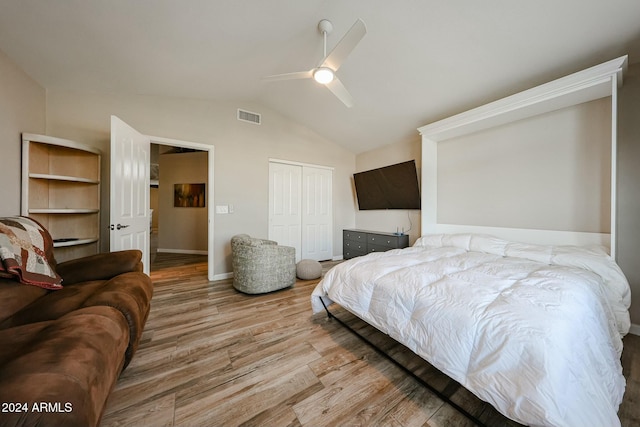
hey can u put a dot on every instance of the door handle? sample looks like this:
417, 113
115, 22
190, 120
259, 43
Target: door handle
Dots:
120, 226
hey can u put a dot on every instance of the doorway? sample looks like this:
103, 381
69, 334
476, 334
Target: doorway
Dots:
203, 214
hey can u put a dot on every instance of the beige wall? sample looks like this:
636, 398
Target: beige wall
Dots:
548, 172
390, 220
22, 109
178, 227
629, 185
242, 152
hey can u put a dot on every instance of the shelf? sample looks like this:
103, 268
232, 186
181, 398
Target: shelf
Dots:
59, 142
75, 242
63, 211
63, 178
61, 190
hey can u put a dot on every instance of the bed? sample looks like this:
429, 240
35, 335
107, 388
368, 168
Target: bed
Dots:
535, 330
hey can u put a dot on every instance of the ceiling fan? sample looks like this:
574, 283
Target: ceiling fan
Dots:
325, 73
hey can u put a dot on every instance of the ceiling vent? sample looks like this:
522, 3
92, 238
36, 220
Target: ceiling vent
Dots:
249, 117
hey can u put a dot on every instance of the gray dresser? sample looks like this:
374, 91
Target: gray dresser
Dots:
361, 242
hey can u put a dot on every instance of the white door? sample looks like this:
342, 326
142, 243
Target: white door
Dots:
300, 209
317, 213
129, 221
285, 205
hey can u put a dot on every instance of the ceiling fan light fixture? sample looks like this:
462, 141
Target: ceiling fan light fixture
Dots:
325, 71
323, 75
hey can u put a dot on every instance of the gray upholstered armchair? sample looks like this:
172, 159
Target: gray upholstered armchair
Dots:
260, 265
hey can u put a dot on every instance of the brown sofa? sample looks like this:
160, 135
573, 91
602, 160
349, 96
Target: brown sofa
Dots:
62, 350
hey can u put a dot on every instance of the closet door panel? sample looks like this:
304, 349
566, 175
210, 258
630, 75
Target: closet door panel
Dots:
317, 214
285, 205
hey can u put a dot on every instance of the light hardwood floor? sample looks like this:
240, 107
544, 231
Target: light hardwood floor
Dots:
211, 356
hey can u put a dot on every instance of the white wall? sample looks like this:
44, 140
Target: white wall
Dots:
242, 151
392, 219
22, 109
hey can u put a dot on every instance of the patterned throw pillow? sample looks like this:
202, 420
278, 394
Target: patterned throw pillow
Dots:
23, 243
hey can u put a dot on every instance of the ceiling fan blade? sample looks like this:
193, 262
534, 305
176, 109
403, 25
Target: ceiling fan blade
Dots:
344, 47
290, 76
338, 89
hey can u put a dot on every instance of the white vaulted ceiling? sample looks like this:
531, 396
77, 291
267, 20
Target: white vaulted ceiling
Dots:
421, 60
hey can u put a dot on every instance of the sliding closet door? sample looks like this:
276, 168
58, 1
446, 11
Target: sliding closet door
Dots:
285, 198
317, 213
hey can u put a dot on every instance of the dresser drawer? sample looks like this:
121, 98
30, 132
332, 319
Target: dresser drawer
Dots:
382, 240
355, 246
352, 253
356, 236
377, 248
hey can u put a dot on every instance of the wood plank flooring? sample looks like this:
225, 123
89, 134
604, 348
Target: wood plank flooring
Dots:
211, 356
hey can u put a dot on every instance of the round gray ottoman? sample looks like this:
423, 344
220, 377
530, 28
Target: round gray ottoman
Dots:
308, 269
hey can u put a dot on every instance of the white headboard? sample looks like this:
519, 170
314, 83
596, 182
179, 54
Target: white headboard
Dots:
593, 83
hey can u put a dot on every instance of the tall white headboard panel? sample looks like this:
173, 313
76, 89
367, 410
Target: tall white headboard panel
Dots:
593, 83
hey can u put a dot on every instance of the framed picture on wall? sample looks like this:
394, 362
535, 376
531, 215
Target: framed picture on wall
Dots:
189, 195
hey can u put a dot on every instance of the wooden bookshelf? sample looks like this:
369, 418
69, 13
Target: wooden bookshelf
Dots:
61, 190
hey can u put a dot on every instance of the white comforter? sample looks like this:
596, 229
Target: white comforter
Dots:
533, 330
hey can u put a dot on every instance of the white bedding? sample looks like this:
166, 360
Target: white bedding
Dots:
533, 330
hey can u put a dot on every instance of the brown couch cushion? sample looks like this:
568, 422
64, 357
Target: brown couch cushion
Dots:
130, 293
53, 305
72, 363
14, 297
24, 249
100, 266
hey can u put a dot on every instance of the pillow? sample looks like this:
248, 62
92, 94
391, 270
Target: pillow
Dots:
429, 241
488, 244
539, 253
23, 244
461, 241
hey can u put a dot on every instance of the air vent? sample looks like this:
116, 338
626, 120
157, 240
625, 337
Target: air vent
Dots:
249, 117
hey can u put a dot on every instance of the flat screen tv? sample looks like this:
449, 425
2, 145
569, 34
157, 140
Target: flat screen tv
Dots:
390, 187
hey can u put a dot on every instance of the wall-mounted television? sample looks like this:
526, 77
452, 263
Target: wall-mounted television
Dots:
389, 187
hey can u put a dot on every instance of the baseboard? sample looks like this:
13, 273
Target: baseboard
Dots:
635, 329
182, 251
337, 258
223, 276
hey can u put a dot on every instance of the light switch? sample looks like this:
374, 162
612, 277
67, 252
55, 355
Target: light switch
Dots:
222, 209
